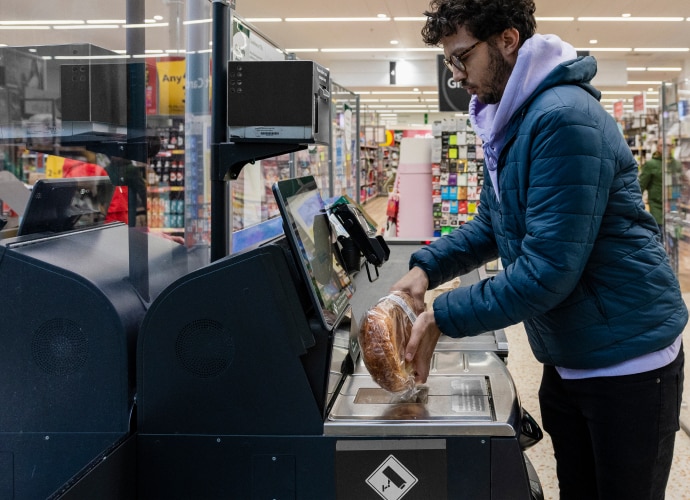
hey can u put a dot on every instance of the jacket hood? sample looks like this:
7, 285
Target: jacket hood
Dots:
543, 61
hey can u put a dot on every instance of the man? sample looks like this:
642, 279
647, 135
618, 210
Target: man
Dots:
651, 180
583, 266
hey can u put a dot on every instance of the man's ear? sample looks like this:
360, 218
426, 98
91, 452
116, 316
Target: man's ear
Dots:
509, 42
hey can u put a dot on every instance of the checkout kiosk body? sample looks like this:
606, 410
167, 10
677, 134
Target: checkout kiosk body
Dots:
71, 314
131, 368
250, 386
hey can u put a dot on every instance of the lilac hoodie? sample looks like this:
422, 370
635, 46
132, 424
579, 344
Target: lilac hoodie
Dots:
536, 58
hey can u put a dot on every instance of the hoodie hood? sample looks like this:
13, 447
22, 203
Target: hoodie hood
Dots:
537, 58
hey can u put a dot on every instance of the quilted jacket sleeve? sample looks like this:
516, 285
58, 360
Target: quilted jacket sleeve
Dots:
461, 251
555, 179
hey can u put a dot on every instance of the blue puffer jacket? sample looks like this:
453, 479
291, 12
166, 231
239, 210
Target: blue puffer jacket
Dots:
583, 266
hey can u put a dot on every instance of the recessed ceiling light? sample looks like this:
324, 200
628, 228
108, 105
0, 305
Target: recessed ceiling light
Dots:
394, 42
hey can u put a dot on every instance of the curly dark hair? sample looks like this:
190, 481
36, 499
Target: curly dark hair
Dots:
482, 18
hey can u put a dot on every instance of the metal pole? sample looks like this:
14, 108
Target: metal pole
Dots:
219, 76
136, 125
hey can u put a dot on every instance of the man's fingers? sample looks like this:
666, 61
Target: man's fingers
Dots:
412, 345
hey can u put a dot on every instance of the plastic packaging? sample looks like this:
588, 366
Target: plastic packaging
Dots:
383, 336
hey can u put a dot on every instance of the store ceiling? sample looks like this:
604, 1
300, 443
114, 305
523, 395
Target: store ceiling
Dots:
352, 37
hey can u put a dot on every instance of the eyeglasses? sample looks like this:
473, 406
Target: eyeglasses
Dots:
455, 61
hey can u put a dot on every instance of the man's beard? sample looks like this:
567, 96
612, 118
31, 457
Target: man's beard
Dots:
499, 71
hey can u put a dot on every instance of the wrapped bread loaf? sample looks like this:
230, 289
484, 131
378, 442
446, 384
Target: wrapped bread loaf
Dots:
383, 336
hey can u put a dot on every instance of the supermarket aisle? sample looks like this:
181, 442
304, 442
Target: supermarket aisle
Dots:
526, 372
376, 209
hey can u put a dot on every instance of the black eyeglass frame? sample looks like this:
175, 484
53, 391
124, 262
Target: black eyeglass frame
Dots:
456, 60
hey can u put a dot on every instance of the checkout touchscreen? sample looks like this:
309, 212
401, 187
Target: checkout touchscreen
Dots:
308, 231
62, 204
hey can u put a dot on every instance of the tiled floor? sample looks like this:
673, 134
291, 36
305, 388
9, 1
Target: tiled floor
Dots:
526, 372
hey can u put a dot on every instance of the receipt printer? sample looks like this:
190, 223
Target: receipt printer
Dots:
278, 101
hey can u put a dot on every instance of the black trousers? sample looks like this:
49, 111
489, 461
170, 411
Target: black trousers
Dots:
613, 437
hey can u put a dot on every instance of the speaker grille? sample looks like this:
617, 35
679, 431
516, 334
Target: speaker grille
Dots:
204, 348
59, 347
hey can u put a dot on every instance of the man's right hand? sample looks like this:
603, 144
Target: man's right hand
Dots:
415, 283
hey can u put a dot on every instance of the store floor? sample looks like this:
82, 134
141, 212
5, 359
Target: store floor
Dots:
526, 372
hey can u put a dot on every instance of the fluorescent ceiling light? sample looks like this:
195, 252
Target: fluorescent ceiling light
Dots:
662, 49
334, 19
395, 92
621, 92
119, 56
412, 106
382, 49
302, 50
99, 21
556, 19
416, 19
263, 20
643, 82
631, 19
198, 21
146, 25
398, 100
27, 23
86, 27
605, 49
24, 27
651, 68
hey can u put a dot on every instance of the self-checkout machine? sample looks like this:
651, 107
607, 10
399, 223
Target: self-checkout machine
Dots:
250, 383
74, 291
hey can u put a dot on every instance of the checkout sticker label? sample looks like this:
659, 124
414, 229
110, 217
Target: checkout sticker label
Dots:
407, 469
391, 480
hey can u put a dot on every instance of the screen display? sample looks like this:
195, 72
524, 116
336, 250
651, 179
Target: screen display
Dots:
57, 205
308, 230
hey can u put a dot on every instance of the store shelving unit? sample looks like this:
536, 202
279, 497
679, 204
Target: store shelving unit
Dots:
371, 172
457, 174
166, 180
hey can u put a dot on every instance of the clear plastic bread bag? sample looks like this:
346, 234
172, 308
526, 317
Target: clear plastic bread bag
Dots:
383, 336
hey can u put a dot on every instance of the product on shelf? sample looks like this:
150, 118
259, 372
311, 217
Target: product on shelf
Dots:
457, 174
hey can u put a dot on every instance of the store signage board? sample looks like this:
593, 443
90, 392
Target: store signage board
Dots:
451, 96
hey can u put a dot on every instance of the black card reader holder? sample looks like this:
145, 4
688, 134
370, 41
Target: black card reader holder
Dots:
372, 246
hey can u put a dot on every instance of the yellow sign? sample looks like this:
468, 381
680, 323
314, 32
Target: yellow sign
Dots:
54, 166
171, 87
